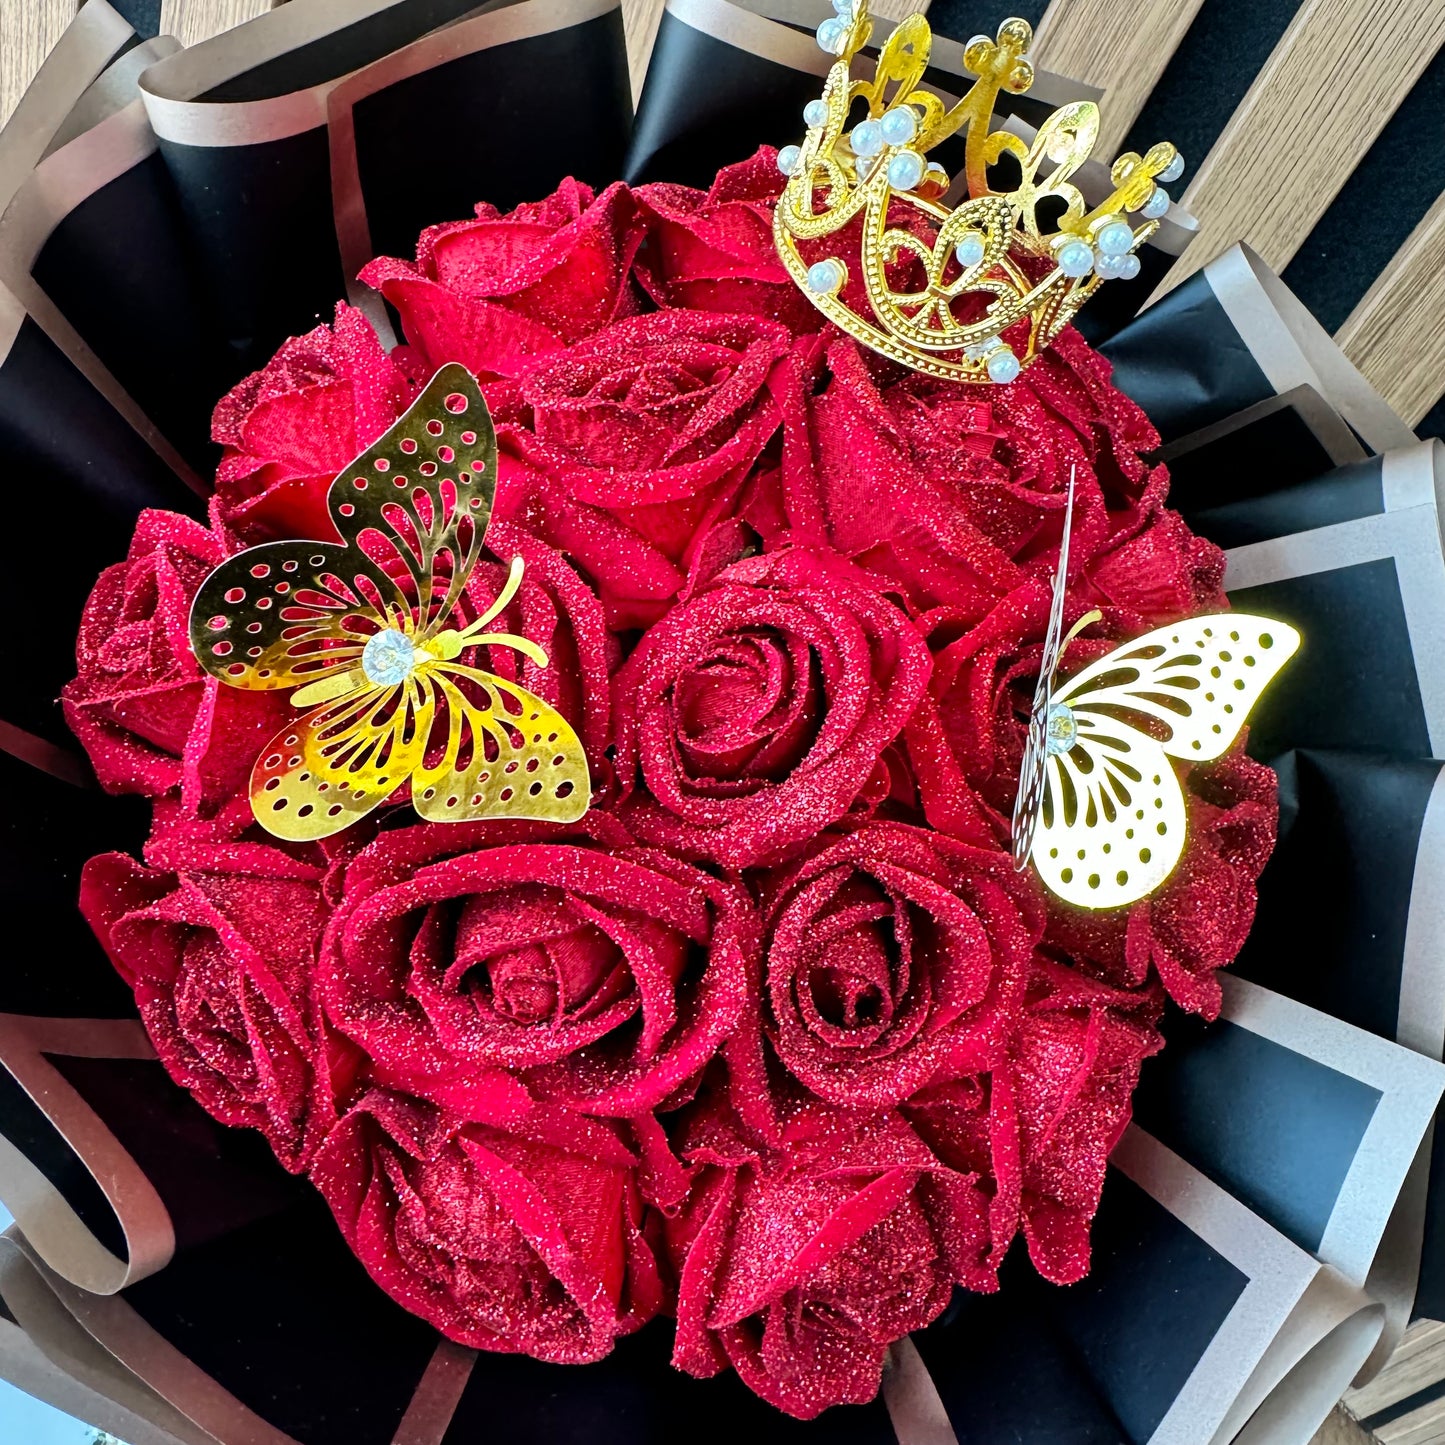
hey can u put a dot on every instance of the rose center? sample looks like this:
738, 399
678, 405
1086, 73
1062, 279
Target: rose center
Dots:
388, 658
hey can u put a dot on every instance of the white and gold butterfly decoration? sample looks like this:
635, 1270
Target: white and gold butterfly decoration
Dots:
1100, 810
371, 635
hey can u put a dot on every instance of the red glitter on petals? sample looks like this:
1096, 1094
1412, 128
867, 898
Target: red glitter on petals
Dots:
775, 1040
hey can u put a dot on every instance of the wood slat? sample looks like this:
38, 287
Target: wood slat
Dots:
1120, 47
1342, 1429
192, 21
1425, 1426
28, 29
640, 19
1315, 108
1419, 1360
1396, 336
898, 9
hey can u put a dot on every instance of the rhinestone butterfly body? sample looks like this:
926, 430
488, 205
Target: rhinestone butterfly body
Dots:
373, 636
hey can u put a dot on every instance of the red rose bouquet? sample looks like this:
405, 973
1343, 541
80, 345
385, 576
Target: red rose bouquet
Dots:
775, 1041
711, 955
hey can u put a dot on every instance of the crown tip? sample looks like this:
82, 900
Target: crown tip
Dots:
978, 292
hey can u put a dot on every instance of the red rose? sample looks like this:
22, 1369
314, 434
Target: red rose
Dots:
290, 427
1198, 921
799, 1267
603, 976
524, 1241
1153, 568
151, 720
637, 440
893, 957
966, 740
493, 291
758, 711
555, 609
893, 477
942, 487
713, 250
223, 969
1076, 1060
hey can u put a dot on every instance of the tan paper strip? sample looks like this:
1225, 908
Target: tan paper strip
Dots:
1409, 1085
1396, 335
1419, 1361
58, 762
1299, 1403
437, 1395
500, 26
748, 30
202, 67
1411, 539
61, 181
157, 1363
69, 1369
1279, 1274
914, 1408
118, 87
1315, 108
1122, 49
42, 1211
1293, 349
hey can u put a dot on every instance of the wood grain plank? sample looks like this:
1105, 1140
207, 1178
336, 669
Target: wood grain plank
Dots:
1425, 1426
898, 9
1315, 108
1396, 336
1419, 1359
1121, 48
192, 21
28, 29
1342, 1429
640, 19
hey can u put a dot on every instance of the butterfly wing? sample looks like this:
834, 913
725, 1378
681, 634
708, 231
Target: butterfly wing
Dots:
1112, 824
1191, 684
415, 506
507, 754
281, 615
412, 511
341, 760
1113, 821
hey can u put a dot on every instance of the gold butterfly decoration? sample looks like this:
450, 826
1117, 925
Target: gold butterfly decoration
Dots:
369, 633
1100, 809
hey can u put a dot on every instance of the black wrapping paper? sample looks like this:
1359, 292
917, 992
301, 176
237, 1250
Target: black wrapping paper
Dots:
293, 170
116, 267
87, 473
728, 76
1225, 340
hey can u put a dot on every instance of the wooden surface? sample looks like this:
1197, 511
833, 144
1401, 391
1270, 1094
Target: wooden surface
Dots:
1403, 316
192, 21
640, 20
1121, 48
28, 28
1334, 79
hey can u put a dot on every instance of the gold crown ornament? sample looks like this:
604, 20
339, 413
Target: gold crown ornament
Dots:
989, 264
